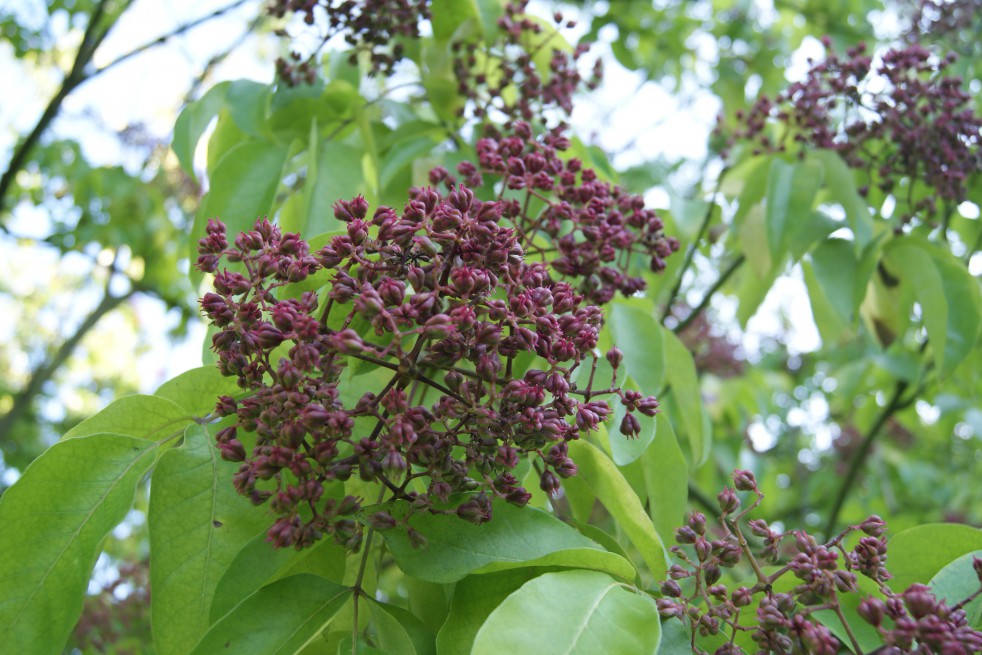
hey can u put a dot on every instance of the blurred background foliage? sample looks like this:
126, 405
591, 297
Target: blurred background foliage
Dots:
99, 210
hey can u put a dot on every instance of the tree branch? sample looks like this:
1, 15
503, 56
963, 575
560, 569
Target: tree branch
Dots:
693, 247
24, 398
709, 295
91, 41
859, 457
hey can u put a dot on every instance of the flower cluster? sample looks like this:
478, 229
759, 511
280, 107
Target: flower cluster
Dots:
906, 123
913, 621
373, 26
945, 18
510, 76
598, 234
441, 296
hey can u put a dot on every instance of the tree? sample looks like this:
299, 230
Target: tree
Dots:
466, 388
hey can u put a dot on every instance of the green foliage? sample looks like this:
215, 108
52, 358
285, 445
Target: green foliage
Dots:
896, 305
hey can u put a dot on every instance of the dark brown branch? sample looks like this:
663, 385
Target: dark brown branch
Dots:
91, 41
859, 457
690, 253
709, 295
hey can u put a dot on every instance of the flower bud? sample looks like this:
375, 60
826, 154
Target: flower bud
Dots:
630, 427
874, 526
728, 501
871, 610
744, 480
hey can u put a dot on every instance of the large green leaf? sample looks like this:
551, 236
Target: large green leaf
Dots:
401, 632
841, 184
449, 15
258, 563
571, 612
339, 176
147, 417
242, 188
193, 122
54, 520
917, 554
636, 332
474, 598
516, 537
279, 619
196, 391
950, 298
956, 582
791, 190
685, 389
666, 479
197, 525
836, 270
611, 489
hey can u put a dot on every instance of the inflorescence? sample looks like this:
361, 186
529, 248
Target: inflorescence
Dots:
905, 123
454, 297
912, 621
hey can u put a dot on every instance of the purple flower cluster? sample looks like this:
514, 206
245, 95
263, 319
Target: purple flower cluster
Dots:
442, 296
511, 79
919, 129
913, 621
372, 26
598, 234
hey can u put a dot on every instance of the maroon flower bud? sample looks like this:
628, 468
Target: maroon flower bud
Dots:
728, 501
671, 588
741, 596
477, 510
630, 426
744, 480
548, 482
648, 406
685, 535
382, 521
874, 526
871, 610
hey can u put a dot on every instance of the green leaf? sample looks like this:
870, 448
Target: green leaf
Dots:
278, 619
675, 638
193, 122
591, 558
198, 522
636, 332
956, 582
456, 548
571, 612
147, 417
401, 632
841, 184
964, 298
248, 102
920, 272
611, 489
242, 188
339, 177
474, 598
685, 389
917, 554
54, 520
836, 270
791, 190
449, 15
196, 391
831, 326
257, 563
666, 479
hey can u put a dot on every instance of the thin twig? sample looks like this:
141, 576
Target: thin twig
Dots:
859, 457
709, 295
